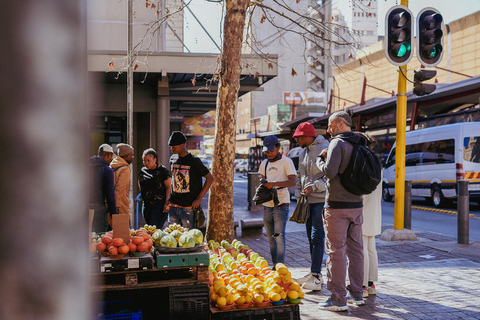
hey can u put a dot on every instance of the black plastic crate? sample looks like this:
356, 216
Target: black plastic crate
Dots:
119, 310
189, 302
284, 312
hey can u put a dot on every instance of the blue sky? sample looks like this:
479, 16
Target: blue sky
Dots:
210, 15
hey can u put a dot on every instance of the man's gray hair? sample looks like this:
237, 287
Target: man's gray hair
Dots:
345, 115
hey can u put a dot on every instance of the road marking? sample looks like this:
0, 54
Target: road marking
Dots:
440, 210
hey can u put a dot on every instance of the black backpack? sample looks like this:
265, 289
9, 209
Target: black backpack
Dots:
363, 172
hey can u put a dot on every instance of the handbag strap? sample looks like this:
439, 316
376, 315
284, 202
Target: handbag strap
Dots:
266, 165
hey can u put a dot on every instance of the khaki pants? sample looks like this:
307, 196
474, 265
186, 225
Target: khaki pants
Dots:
343, 234
370, 263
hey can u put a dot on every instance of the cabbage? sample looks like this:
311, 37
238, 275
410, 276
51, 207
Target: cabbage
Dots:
198, 235
176, 234
168, 241
157, 236
186, 241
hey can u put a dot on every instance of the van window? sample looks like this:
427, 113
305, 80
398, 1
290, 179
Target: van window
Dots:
433, 152
471, 149
391, 159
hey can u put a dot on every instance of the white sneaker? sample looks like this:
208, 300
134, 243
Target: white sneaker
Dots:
304, 279
313, 284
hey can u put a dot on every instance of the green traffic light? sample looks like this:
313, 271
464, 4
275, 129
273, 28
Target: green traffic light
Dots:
403, 49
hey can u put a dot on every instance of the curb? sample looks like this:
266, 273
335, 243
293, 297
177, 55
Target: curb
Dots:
440, 210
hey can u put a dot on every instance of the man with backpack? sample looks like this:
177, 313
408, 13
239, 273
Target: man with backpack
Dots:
343, 216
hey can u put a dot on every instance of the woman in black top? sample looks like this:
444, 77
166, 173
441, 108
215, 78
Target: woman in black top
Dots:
155, 184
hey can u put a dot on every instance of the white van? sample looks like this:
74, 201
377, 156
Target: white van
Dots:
435, 159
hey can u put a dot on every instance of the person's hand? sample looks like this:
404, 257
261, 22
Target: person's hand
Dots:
269, 185
196, 203
166, 207
308, 191
324, 153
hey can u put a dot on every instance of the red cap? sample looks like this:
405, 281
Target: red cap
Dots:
305, 129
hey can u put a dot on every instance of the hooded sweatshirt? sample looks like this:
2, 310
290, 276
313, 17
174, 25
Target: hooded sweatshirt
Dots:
121, 171
102, 184
309, 175
338, 157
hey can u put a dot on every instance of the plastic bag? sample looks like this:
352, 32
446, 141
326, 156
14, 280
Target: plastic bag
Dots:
199, 217
263, 194
302, 210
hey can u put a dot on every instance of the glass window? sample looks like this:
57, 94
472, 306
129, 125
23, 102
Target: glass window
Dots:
471, 149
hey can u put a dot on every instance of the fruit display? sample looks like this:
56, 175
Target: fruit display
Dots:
239, 277
140, 243
177, 236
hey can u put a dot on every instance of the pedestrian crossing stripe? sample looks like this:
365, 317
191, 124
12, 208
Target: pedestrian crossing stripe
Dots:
440, 210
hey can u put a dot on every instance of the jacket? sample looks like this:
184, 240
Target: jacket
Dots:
121, 171
308, 172
102, 184
338, 157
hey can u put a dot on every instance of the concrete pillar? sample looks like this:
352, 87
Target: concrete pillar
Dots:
44, 264
163, 130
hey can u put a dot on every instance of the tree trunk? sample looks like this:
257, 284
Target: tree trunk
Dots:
44, 263
220, 208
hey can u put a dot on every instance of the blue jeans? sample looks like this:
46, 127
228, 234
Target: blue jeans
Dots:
275, 221
316, 236
154, 214
183, 216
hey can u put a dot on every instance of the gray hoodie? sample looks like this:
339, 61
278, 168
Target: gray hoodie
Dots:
308, 172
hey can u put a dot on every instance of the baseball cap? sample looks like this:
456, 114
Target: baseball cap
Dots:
305, 129
269, 143
105, 148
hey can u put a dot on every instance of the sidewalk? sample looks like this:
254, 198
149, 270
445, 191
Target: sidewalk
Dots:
432, 278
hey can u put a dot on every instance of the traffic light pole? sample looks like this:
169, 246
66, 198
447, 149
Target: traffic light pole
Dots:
401, 145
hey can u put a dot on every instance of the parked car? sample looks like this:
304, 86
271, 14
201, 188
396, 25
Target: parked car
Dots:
294, 154
241, 166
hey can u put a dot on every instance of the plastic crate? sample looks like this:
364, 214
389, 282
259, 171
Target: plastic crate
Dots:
284, 312
189, 302
111, 310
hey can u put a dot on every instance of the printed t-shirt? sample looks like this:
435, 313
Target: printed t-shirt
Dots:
278, 171
152, 184
187, 173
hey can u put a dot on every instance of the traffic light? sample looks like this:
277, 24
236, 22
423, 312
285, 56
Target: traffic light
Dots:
419, 88
429, 37
399, 35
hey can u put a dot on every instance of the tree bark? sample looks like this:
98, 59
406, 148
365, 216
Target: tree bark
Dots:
44, 262
220, 208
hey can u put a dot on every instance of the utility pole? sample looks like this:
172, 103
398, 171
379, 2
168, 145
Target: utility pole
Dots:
130, 97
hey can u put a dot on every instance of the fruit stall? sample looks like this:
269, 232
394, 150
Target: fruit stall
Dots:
173, 274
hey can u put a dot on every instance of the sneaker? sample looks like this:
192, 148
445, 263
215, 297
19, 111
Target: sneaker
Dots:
333, 305
304, 279
371, 289
365, 292
355, 299
313, 283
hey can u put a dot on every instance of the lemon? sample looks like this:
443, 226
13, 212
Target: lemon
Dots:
277, 278
222, 291
221, 301
260, 288
217, 285
276, 288
230, 298
240, 300
275, 297
292, 294
248, 298
258, 297
301, 294
287, 278
282, 270
213, 297
283, 295
294, 286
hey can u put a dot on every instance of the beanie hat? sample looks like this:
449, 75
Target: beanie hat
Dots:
177, 138
124, 149
105, 148
305, 129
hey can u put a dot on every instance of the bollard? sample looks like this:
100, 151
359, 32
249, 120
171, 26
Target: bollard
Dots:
463, 207
407, 219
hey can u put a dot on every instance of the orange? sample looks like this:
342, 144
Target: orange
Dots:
101, 247
137, 240
142, 247
123, 249
132, 247
107, 239
93, 248
145, 236
118, 242
113, 250
139, 232
149, 242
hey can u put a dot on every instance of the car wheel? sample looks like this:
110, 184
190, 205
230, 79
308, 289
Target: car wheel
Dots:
385, 194
438, 200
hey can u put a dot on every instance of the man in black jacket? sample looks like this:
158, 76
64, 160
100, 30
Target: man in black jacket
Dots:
102, 188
